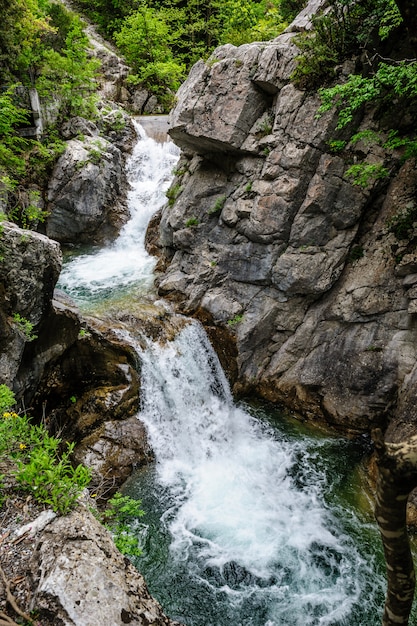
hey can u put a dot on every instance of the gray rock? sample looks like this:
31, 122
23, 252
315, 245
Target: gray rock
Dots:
86, 193
80, 577
29, 269
299, 259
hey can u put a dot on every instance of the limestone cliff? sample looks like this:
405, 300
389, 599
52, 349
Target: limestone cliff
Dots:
266, 236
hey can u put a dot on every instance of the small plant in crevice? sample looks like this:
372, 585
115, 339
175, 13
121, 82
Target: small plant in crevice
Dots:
24, 326
218, 205
95, 152
401, 225
172, 193
212, 61
265, 127
235, 320
336, 145
192, 221
356, 253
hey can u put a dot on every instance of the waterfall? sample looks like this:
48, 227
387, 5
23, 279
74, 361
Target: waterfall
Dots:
244, 507
124, 267
250, 520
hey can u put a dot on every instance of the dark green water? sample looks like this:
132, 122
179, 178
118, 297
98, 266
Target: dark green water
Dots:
252, 519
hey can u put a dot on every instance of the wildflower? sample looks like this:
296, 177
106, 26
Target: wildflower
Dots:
22, 446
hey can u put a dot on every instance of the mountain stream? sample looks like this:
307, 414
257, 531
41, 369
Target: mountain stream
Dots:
252, 519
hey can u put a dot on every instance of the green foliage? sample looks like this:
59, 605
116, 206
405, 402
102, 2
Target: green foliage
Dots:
192, 221
162, 39
265, 127
336, 145
218, 205
290, 8
235, 320
41, 470
408, 145
356, 253
145, 39
11, 145
24, 326
70, 75
349, 27
368, 136
172, 193
27, 212
363, 174
7, 398
402, 224
118, 517
389, 84
51, 478
45, 46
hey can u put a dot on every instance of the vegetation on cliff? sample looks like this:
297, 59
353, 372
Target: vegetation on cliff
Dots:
42, 46
162, 39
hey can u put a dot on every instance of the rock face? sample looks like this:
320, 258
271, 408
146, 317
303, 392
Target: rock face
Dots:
80, 578
85, 377
29, 269
267, 236
86, 192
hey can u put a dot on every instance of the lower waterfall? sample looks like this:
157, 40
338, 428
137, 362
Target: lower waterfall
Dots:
245, 524
251, 518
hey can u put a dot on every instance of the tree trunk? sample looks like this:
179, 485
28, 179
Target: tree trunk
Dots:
397, 477
408, 10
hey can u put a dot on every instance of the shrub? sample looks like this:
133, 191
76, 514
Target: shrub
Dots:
218, 205
42, 469
120, 513
7, 399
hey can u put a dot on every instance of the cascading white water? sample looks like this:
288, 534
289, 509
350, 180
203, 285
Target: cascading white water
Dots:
245, 527
125, 266
246, 509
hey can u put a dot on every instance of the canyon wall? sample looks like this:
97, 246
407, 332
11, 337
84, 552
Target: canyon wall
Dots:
264, 236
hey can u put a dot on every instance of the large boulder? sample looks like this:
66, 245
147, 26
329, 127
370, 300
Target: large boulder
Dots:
87, 192
79, 577
29, 268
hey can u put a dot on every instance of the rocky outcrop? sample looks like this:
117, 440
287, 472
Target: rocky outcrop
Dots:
266, 236
86, 193
76, 372
83, 379
29, 268
81, 579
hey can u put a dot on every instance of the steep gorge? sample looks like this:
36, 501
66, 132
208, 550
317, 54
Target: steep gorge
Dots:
266, 236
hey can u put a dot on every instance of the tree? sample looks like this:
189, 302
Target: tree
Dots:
408, 10
70, 74
145, 39
397, 477
11, 12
